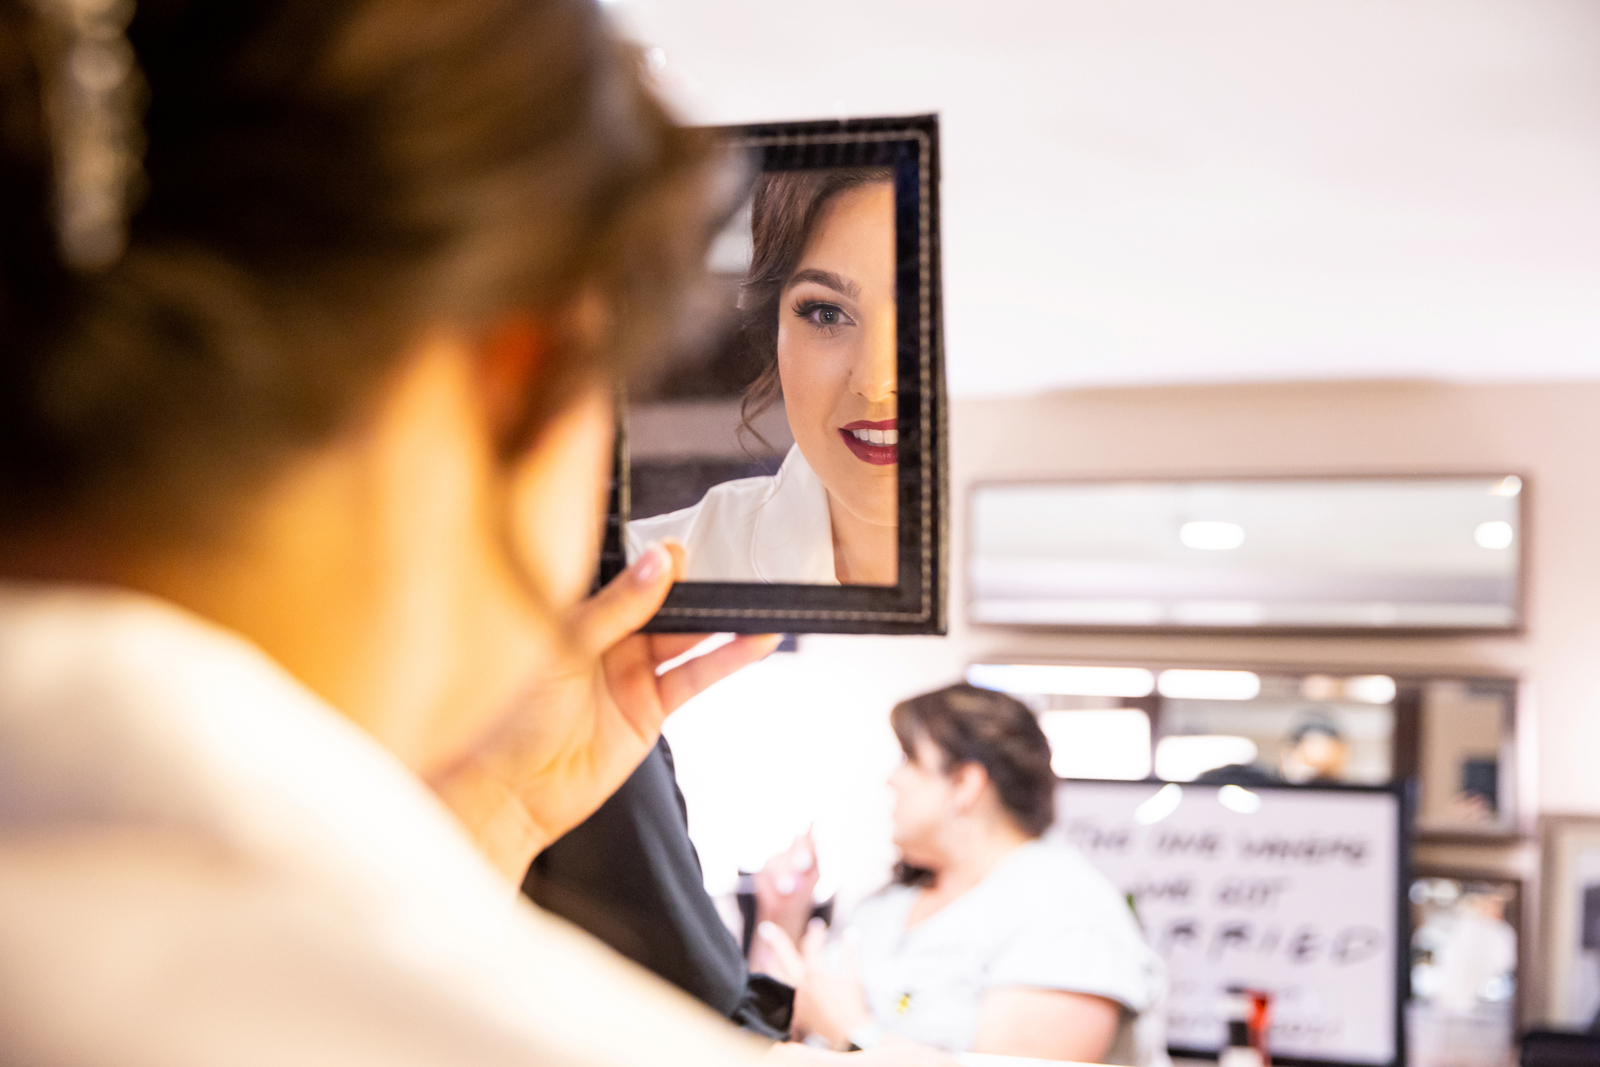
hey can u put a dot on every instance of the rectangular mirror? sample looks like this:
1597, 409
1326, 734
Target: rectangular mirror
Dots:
1468, 757
795, 449
1467, 954
1456, 736
1298, 554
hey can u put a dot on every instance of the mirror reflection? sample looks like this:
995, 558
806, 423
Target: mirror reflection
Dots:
1304, 553
1456, 736
772, 453
1467, 731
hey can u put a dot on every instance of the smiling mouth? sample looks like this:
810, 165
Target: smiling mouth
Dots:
877, 443
876, 437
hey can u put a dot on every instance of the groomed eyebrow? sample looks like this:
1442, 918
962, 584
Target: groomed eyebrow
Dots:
826, 278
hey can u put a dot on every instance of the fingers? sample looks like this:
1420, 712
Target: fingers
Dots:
627, 603
665, 647
700, 673
784, 951
815, 943
680, 559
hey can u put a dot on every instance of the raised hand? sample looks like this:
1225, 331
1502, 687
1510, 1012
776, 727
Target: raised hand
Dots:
589, 718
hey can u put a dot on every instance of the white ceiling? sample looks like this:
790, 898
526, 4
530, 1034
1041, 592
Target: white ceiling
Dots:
1144, 191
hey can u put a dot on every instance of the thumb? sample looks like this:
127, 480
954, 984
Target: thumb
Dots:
815, 942
782, 947
627, 603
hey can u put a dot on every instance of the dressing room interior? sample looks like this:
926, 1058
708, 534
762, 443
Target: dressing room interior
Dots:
698, 532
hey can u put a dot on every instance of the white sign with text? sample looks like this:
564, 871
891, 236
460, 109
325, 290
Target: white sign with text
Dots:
1292, 890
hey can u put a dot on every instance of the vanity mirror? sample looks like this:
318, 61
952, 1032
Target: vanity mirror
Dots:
796, 447
1454, 735
1351, 554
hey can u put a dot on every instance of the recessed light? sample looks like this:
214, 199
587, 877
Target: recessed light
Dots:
1494, 534
1211, 536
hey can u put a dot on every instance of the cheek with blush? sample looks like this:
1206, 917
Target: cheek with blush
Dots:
814, 380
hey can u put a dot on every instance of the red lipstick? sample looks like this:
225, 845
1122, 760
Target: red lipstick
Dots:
882, 445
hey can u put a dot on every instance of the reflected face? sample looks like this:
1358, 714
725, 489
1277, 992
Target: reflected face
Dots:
1318, 756
836, 352
925, 804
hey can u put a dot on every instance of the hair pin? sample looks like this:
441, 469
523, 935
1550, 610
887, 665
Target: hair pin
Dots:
92, 95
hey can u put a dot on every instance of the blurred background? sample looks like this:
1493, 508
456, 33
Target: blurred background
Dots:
1208, 240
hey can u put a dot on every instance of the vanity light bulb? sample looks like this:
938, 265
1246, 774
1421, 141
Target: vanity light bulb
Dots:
1370, 688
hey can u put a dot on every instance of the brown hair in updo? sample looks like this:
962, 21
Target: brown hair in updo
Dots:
783, 214
972, 725
326, 181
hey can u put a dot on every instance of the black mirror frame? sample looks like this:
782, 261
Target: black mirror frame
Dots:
918, 603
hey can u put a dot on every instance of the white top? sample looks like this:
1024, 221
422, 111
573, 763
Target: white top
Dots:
202, 863
763, 529
1042, 919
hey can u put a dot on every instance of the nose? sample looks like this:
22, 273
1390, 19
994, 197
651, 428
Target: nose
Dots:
873, 375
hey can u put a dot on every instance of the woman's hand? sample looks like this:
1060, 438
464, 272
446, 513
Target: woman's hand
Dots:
829, 1000
785, 887
589, 718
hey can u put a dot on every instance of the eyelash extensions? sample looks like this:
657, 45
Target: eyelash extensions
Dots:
808, 309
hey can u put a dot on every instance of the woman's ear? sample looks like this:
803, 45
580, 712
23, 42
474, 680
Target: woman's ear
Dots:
513, 355
970, 780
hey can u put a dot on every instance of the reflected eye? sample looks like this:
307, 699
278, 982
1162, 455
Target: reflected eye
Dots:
826, 317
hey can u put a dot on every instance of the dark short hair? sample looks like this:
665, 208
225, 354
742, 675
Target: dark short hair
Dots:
783, 214
971, 725
1319, 723
325, 179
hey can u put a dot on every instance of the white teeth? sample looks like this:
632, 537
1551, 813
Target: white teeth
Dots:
877, 437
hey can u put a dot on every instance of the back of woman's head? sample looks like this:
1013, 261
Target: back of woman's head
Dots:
322, 181
971, 725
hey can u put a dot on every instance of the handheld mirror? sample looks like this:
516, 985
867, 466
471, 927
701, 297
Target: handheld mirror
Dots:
796, 449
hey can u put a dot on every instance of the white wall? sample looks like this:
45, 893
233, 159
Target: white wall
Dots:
1143, 191
804, 737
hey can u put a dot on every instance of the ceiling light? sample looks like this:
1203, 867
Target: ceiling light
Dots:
1061, 680
1209, 685
1211, 536
1510, 485
1494, 534
1158, 807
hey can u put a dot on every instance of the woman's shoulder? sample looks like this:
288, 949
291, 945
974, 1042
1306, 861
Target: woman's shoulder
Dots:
888, 904
1070, 928
1053, 877
768, 528
718, 530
